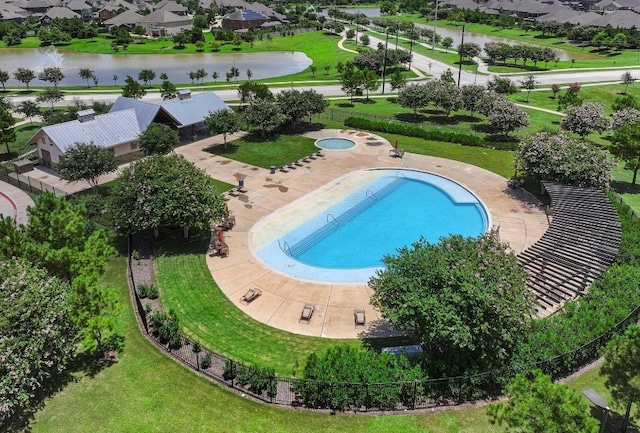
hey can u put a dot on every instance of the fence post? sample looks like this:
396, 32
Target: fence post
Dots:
415, 391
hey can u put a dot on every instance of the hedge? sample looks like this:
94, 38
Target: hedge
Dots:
427, 134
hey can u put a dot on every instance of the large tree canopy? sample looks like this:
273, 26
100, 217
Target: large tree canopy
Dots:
86, 162
165, 190
465, 298
37, 337
158, 139
554, 156
539, 406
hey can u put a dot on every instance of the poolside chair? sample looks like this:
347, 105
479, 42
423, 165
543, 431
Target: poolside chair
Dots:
359, 317
306, 314
396, 153
251, 295
220, 248
228, 223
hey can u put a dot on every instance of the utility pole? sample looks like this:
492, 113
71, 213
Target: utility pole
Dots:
461, 52
357, 19
384, 60
435, 21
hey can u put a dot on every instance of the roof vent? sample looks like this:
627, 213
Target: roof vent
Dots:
184, 94
85, 115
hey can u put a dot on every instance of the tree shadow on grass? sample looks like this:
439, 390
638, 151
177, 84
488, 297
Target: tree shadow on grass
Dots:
222, 149
82, 365
346, 105
411, 118
442, 119
623, 187
8, 156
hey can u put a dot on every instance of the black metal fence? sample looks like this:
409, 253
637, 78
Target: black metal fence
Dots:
398, 396
27, 183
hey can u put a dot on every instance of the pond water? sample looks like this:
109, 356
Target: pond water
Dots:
176, 66
482, 39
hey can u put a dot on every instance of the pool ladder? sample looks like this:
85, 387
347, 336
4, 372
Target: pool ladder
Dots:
332, 219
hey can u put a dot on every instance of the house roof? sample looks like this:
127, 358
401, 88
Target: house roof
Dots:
99, 130
60, 12
77, 5
245, 15
194, 109
559, 16
171, 6
624, 19
161, 16
126, 17
122, 4
145, 111
34, 4
584, 19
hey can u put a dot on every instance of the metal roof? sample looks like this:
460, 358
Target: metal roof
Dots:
145, 111
105, 130
194, 109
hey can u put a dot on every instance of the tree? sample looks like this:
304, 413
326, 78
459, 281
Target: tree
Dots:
447, 77
469, 49
29, 109
464, 298
555, 89
201, 74
24, 75
447, 97
554, 156
365, 40
86, 162
625, 102
168, 90
295, 104
502, 85
539, 406
625, 144
115, 79
251, 92
397, 80
624, 117
163, 76
529, 82
51, 75
86, 74
313, 69
215, 76
223, 122
249, 74
585, 118
165, 190
180, 39
472, 97
447, 42
7, 133
265, 116
351, 79
34, 346
506, 117
4, 77
627, 79
370, 81
50, 95
621, 369
158, 139
351, 33
570, 97
146, 75
132, 89
415, 96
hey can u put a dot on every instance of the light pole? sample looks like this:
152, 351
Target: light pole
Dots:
435, 21
384, 60
461, 52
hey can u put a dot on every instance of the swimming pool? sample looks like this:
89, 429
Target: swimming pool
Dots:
342, 235
335, 143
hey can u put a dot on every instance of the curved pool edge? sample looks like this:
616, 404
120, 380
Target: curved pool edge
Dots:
336, 149
272, 254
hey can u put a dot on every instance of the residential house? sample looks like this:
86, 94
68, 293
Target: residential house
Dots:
624, 19
34, 6
56, 12
163, 23
172, 6
243, 19
81, 8
616, 5
126, 19
120, 128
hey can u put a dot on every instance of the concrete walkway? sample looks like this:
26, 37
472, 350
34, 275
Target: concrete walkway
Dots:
14, 203
520, 220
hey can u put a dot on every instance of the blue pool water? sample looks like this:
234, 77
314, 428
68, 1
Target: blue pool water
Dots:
347, 242
335, 143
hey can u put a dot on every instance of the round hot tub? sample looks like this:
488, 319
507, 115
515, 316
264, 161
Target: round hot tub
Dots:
335, 143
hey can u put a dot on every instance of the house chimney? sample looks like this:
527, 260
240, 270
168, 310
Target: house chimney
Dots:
184, 94
85, 115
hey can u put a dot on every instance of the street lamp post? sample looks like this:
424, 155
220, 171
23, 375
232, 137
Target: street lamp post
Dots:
461, 52
435, 21
384, 60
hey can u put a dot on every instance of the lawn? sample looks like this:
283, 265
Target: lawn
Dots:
278, 149
146, 391
19, 145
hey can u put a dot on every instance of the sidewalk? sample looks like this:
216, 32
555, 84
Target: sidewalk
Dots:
14, 203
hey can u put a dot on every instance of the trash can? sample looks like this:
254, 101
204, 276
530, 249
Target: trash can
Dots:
240, 183
273, 169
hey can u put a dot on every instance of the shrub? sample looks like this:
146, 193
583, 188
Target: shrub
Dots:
435, 135
166, 328
229, 371
205, 362
149, 291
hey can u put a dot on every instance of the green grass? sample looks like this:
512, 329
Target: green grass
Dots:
146, 391
275, 150
207, 314
23, 134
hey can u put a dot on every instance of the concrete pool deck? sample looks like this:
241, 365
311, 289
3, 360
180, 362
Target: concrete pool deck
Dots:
518, 215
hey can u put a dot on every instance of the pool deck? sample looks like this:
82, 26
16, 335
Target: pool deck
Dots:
518, 215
